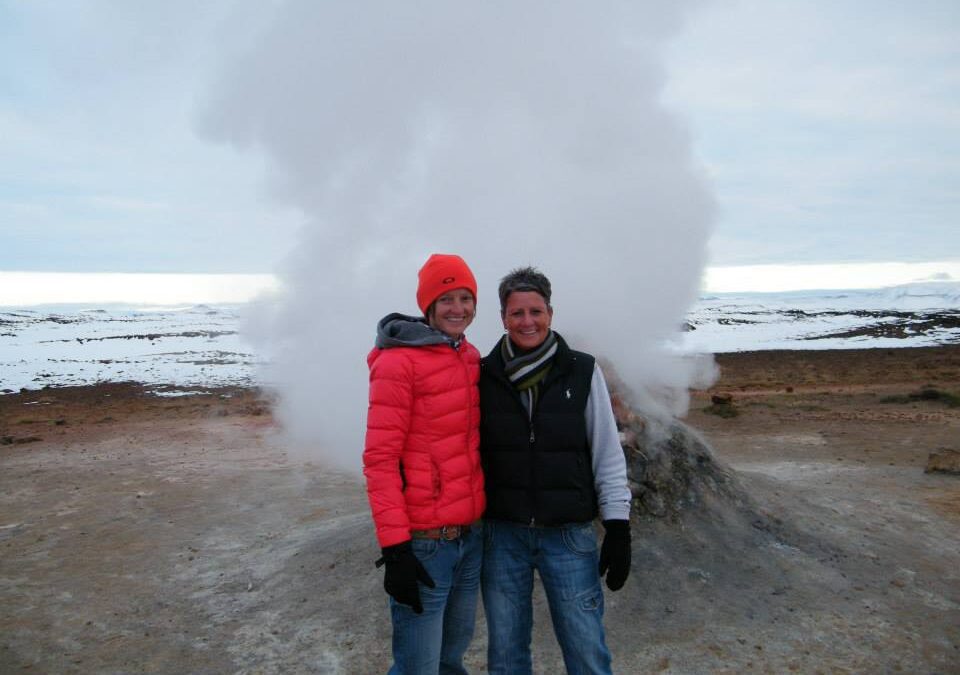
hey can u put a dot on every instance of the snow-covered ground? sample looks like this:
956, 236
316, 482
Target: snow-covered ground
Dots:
203, 346
66, 345
910, 315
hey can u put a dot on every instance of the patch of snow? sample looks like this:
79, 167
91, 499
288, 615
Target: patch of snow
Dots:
202, 346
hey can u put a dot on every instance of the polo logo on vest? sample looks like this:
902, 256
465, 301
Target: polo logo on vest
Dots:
449, 280
569, 395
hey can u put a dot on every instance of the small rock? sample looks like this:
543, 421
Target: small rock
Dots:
903, 578
721, 399
653, 503
944, 460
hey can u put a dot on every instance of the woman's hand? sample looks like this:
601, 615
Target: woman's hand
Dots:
403, 573
615, 553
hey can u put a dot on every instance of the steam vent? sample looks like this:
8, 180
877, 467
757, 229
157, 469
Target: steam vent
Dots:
672, 471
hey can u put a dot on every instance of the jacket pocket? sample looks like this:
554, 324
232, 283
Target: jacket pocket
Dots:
435, 478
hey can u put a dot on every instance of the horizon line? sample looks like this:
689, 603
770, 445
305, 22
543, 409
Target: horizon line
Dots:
30, 288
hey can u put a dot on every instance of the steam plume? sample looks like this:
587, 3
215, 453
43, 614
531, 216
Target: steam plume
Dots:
510, 133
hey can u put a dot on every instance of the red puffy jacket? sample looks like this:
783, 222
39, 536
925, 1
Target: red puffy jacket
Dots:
422, 452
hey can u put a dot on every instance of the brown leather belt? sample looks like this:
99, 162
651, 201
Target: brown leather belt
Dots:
447, 532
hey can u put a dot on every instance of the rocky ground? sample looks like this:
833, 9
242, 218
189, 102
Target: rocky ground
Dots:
173, 534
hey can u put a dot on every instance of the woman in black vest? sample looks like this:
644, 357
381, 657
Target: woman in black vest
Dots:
553, 462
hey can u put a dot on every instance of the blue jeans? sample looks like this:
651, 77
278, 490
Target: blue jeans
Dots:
435, 641
566, 559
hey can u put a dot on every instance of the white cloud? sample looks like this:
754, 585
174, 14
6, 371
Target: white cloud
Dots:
827, 129
97, 135
775, 278
37, 288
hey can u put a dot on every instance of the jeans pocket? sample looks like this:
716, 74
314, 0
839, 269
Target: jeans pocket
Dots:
425, 549
590, 601
580, 538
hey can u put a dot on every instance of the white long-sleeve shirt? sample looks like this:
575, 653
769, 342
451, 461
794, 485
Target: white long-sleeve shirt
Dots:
609, 463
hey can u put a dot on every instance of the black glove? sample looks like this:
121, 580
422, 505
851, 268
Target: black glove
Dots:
403, 573
615, 553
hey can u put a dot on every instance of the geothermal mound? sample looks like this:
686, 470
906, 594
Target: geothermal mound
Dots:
705, 549
673, 472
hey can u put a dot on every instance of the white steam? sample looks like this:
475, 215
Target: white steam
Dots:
510, 133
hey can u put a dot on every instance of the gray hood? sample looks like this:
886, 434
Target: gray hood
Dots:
401, 330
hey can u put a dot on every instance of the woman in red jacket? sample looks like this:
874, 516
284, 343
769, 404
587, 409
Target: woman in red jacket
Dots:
422, 464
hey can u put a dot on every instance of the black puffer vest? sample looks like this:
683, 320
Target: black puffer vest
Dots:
538, 472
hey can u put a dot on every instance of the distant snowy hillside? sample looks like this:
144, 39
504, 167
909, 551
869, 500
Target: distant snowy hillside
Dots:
927, 295
202, 345
911, 315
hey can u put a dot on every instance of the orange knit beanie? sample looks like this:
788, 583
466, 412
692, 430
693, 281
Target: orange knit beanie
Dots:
442, 273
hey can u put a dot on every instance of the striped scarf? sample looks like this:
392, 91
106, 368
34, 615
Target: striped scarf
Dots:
527, 371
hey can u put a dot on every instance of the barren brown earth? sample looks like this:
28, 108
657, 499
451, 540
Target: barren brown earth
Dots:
141, 533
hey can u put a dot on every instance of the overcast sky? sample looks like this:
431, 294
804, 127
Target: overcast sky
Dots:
829, 132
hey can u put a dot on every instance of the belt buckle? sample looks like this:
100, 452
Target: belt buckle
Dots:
449, 532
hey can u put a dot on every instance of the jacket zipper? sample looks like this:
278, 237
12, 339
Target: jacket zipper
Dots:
533, 475
473, 473
533, 438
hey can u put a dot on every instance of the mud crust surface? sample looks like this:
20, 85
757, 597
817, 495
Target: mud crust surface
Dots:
141, 533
